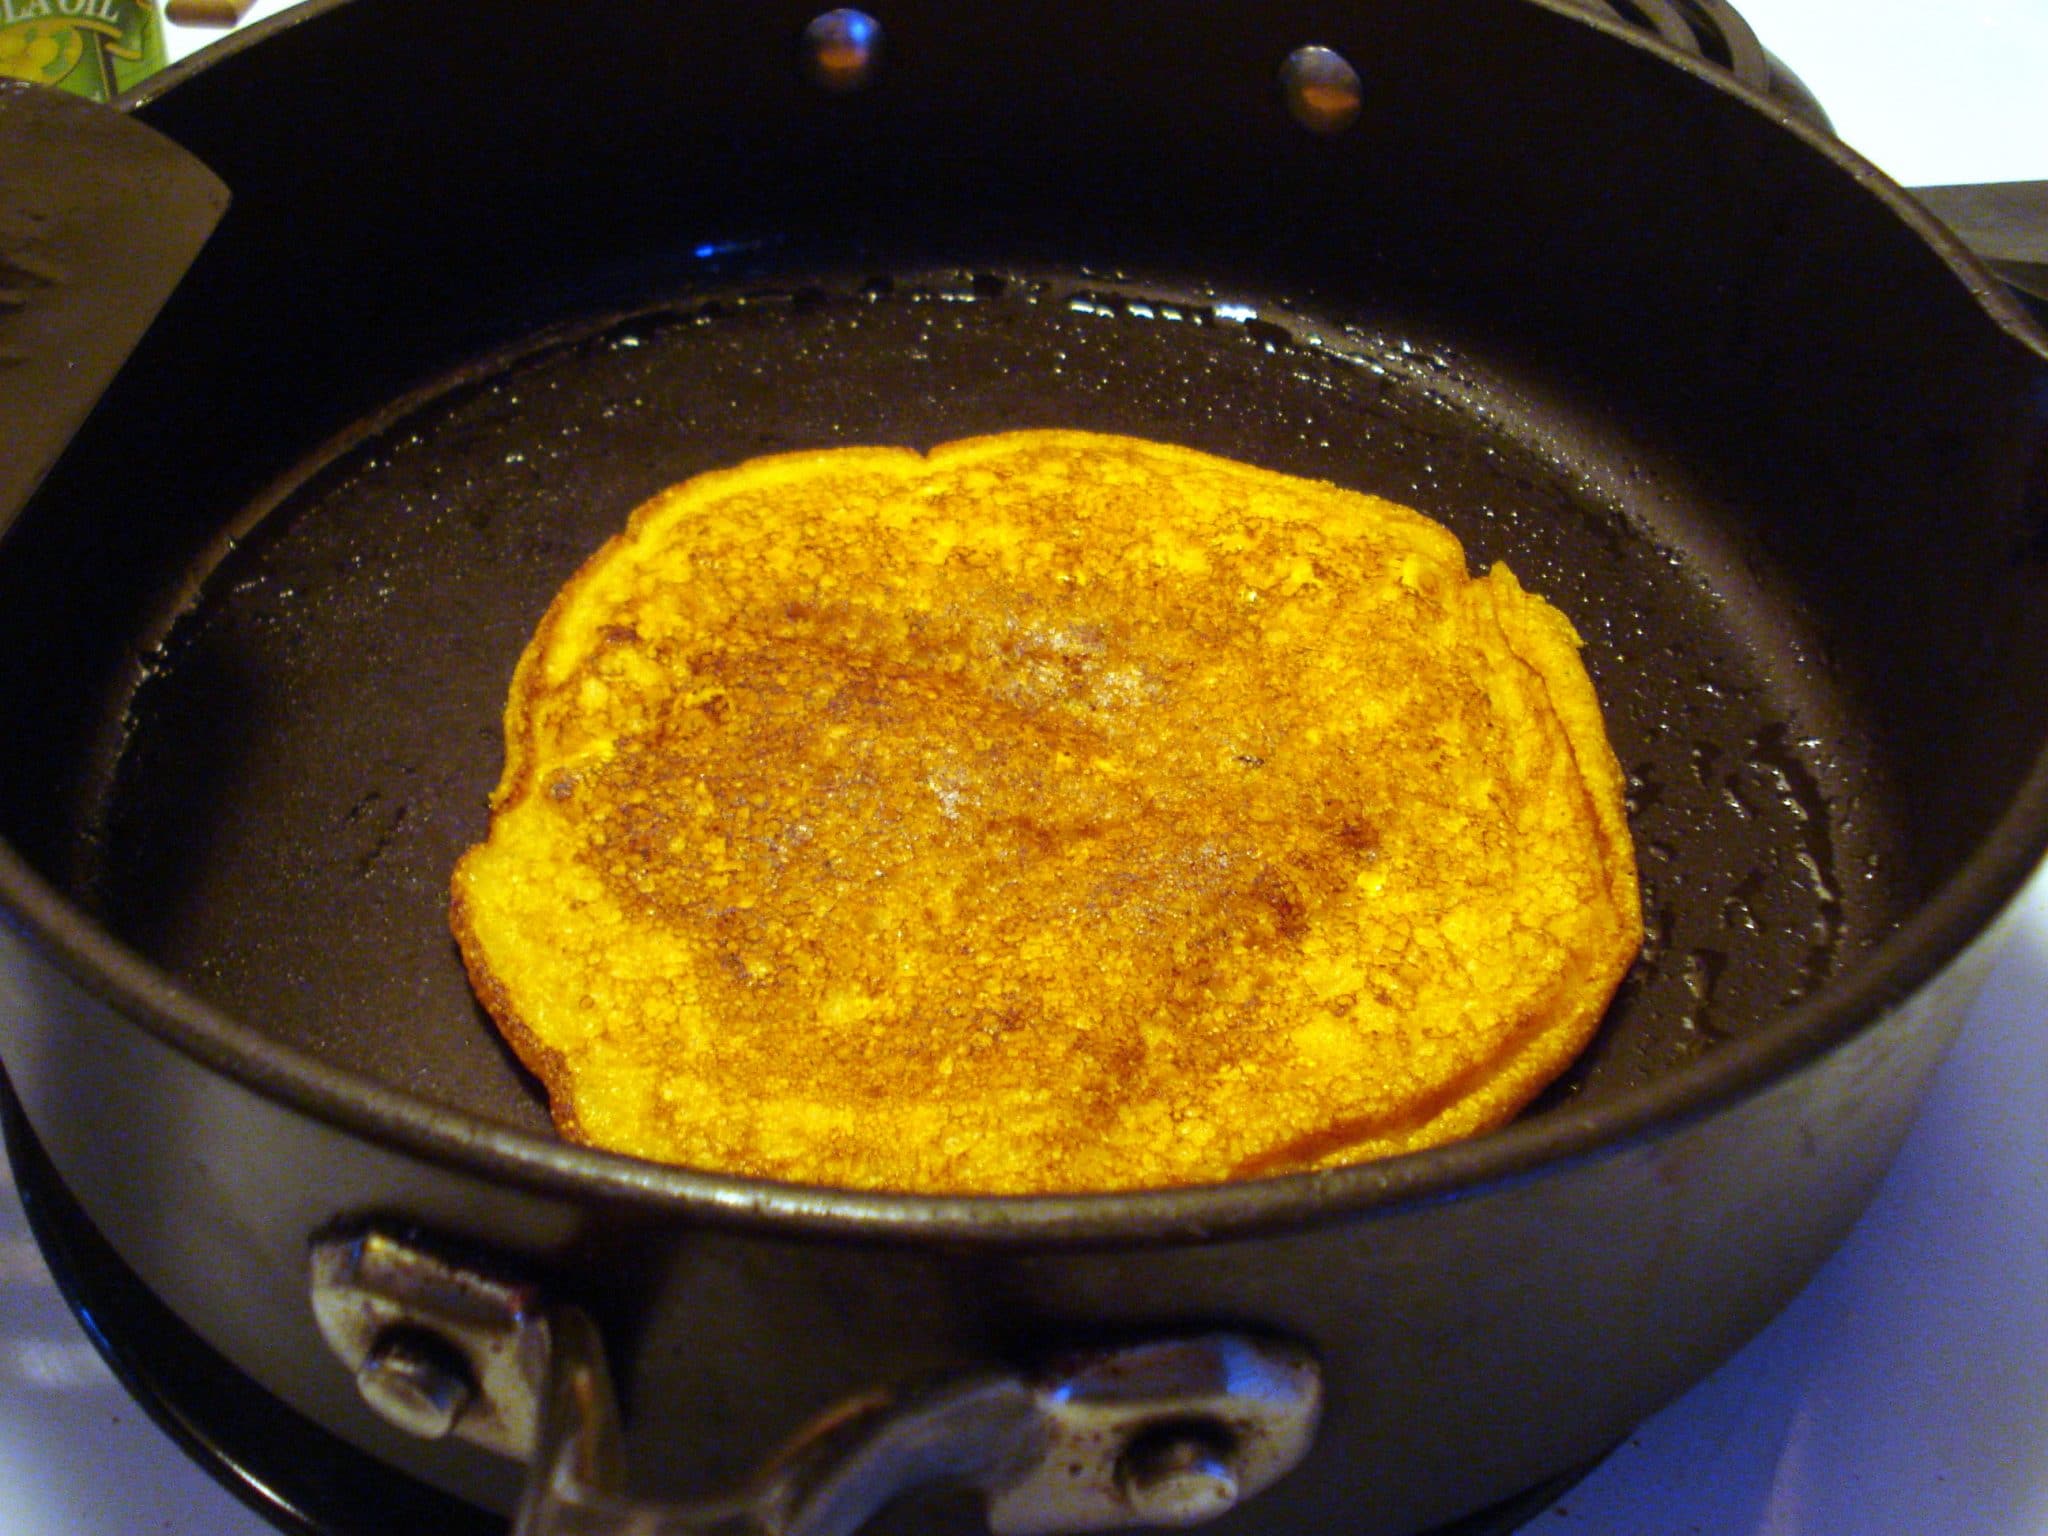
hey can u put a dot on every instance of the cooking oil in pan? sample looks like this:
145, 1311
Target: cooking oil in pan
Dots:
319, 731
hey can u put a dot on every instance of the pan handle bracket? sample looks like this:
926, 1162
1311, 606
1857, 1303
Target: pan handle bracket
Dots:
1166, 1432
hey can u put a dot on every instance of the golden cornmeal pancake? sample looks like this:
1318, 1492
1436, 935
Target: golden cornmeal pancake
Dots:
1053, 812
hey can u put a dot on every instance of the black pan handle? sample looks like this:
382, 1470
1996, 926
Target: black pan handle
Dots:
2005, 225
1166, 1432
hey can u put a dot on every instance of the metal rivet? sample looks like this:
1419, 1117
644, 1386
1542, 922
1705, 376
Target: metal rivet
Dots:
417, 1382
1323, 91
1178, 1476
841, 48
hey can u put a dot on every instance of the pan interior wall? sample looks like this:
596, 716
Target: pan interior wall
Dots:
312, 743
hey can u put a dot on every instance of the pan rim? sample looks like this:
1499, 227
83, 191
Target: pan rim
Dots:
1958, 914
2003, 310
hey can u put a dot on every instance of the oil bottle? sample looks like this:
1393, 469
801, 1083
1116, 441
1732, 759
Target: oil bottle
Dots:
97, 48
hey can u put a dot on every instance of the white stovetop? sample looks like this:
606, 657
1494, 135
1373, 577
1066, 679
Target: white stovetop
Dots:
1904, 1394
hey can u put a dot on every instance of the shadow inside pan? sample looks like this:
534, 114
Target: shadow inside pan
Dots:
313, 740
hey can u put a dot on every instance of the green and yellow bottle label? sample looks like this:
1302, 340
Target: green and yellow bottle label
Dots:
97, 48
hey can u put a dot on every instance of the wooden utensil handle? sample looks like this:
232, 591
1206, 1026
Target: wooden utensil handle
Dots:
207, 13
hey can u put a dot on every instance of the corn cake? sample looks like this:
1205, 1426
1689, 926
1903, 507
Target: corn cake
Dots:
1050, 812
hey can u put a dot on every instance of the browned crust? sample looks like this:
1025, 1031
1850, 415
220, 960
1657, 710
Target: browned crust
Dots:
542, 1060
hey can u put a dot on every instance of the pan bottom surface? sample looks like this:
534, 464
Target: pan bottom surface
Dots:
282, 1465
315, 732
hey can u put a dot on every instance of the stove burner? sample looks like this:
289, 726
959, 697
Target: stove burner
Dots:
295, 1474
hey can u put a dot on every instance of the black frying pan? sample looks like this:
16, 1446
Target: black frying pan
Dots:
316, 732
1745, 414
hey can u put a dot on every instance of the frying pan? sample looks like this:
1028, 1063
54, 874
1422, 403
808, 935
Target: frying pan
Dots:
1747, 414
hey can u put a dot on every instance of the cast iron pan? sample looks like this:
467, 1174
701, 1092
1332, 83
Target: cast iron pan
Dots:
391, 412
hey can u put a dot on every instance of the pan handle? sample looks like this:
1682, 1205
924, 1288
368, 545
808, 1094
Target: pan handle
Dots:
1166, 1432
